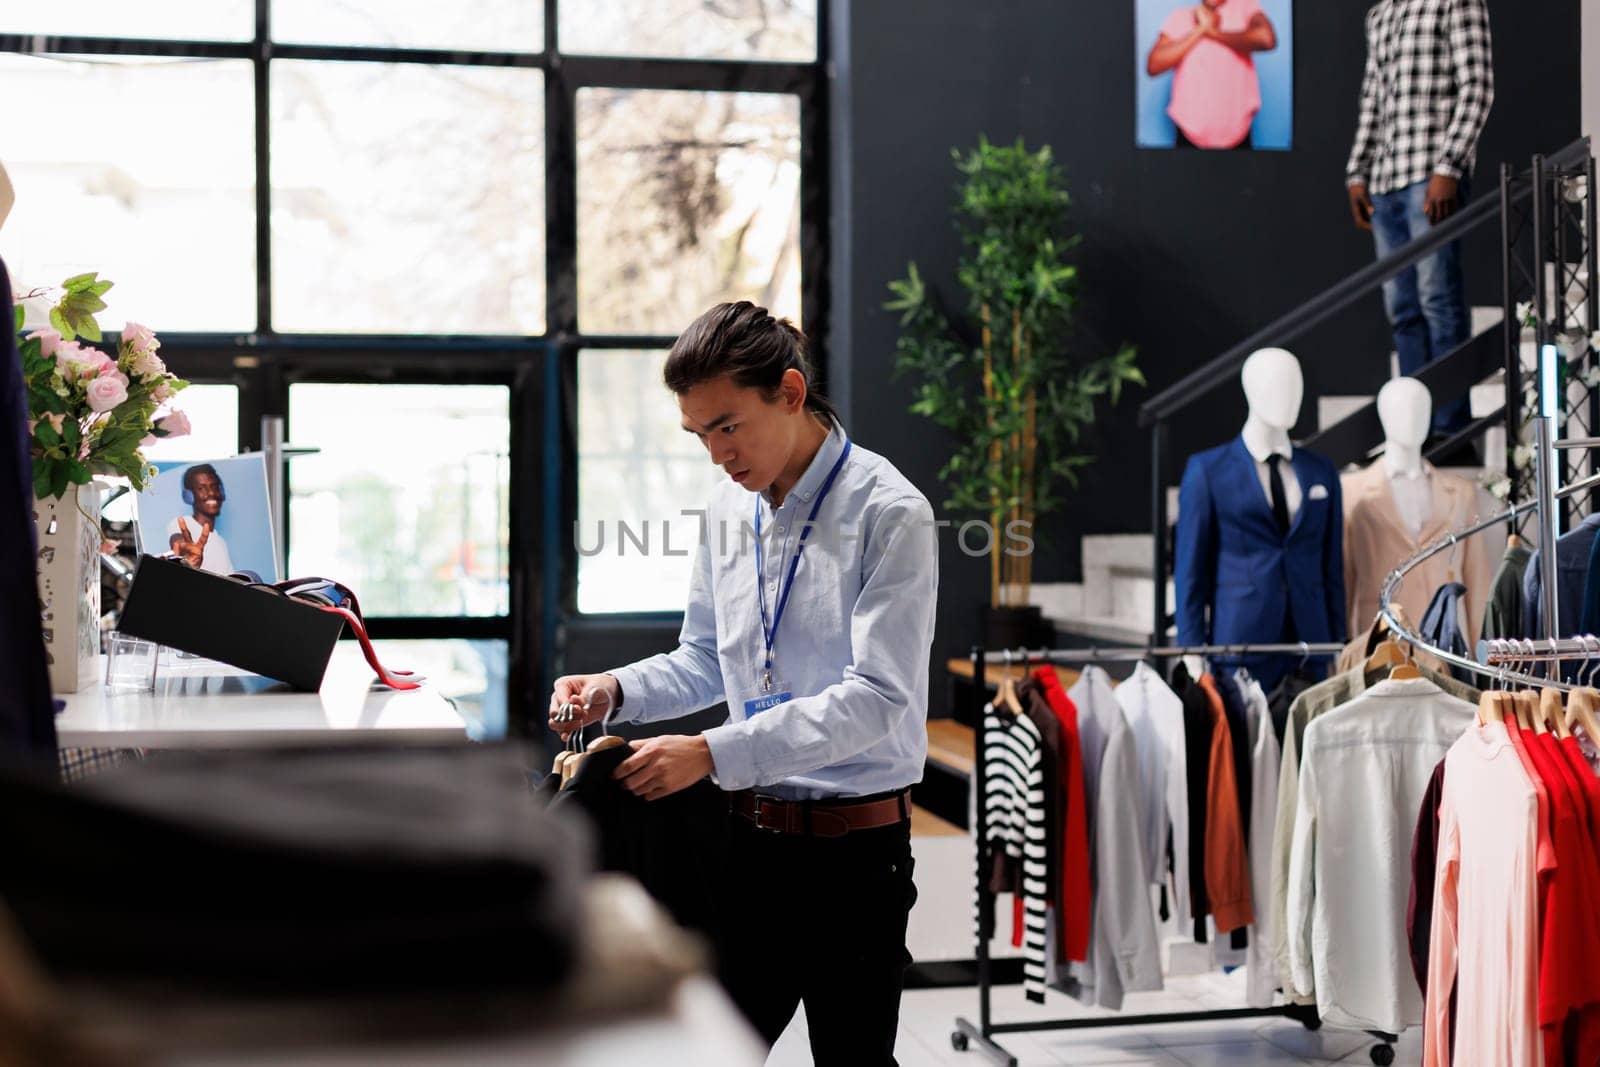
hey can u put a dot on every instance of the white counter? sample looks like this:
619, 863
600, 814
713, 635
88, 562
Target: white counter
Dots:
203, 704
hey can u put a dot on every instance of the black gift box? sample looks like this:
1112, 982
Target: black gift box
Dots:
254, 629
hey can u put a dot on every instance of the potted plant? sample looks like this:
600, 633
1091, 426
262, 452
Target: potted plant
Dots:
1003, 378
90, 412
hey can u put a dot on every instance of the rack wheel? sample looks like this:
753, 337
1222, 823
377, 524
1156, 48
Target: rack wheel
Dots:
1383, 1055
958, 1041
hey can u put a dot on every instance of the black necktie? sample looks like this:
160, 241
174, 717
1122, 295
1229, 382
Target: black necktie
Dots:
1280, 502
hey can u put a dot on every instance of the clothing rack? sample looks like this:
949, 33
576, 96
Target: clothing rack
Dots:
982, 1034
1502, 653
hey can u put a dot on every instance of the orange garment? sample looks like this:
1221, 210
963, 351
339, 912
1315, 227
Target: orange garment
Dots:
1227, 860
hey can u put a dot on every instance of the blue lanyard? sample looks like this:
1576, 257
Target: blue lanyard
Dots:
769, 631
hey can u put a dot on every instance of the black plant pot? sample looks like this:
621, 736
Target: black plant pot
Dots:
1017, 628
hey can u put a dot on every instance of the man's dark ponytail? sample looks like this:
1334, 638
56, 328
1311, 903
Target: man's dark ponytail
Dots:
749, 345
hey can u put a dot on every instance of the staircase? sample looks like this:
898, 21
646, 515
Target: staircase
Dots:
1112, 605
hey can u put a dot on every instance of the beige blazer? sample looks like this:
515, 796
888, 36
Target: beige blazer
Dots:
1376, 541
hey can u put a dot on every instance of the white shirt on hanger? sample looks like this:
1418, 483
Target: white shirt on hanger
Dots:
1260, 448
1261, 975
1363, 771
1123, 954
1413, 493
1155, 715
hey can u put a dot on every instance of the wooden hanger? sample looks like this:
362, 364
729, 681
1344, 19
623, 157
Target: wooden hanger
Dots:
1387, 654
1514, 541
1581, 707
1551, 711
599, 744
1526, 702
1404, 672
1007, 689
1489, 706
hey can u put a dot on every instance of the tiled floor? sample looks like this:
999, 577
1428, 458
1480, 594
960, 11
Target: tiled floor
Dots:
940, 929
927, 1018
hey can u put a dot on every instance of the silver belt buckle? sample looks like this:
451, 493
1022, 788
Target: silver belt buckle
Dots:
762, 801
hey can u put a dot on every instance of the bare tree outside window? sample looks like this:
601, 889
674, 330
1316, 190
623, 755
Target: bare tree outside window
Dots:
685, 199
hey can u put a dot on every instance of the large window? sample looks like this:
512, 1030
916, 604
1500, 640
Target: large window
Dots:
449, 245
165, 208
407, 198
408, 496
684, 200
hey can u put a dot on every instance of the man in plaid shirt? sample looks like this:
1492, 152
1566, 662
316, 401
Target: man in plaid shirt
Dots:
1427, 90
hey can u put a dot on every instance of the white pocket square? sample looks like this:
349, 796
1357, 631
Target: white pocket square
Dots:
1319, 492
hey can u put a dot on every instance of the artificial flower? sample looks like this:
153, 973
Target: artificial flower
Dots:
139, 338
174, 425
106, 393
48, 340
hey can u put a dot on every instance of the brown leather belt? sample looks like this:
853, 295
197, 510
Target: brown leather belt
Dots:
820, 818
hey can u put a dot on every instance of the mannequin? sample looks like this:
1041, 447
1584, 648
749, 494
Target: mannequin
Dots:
1260, 532
1405, 409
1399, 505
1273, 389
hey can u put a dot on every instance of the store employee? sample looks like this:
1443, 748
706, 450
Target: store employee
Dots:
818, 639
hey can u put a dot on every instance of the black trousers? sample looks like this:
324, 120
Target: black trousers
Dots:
822, 921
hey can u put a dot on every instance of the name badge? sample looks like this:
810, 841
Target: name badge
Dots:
752, 708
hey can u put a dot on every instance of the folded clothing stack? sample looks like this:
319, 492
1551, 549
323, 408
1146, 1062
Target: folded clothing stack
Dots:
297, 873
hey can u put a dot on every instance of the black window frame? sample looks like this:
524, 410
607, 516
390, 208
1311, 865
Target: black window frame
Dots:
540, 370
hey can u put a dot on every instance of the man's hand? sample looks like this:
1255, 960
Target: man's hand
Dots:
1206, 20
188, 549
1442, 199
661, 766
594, 695
1360, 205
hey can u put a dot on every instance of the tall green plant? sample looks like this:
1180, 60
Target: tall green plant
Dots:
1004, 379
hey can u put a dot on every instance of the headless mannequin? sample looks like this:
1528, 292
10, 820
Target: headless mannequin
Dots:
1405, 410
1273, 389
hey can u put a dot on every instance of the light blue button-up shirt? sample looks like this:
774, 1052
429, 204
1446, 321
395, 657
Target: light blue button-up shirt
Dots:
852, 646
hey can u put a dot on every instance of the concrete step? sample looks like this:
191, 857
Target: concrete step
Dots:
1106, 631
1332, 409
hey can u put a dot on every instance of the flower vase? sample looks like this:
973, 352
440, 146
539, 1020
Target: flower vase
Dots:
69, 537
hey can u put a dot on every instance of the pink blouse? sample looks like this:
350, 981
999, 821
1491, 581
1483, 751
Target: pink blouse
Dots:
1215, 90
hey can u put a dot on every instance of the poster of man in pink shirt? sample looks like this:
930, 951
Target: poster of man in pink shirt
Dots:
1215, 74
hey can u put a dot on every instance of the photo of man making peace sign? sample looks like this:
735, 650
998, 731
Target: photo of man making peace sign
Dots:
194, 537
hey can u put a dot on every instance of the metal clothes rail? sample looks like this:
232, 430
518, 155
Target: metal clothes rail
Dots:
981, 1035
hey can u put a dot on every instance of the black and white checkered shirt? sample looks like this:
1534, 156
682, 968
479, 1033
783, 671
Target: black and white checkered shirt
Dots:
1426, 92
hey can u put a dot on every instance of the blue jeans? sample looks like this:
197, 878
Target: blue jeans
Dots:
1427, 302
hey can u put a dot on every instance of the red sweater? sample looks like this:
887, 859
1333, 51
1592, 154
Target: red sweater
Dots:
1072, 905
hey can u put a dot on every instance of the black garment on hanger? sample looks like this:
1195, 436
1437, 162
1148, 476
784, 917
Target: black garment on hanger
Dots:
1030, 694
348, 872
27, 716
1283, 697
676, 847
1197, 765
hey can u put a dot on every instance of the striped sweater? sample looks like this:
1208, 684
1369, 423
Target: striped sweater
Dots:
1014, 806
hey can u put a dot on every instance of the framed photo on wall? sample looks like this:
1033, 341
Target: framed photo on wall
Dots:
1215, 75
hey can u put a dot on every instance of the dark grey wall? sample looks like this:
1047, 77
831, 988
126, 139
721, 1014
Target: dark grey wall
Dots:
1184, 253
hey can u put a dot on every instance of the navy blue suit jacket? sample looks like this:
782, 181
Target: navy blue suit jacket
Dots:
27, 718
1238, 581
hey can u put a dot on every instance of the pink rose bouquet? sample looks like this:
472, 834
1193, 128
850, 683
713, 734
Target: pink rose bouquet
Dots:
90, 411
